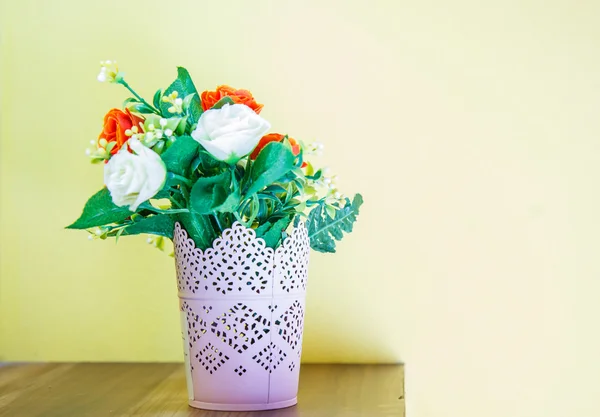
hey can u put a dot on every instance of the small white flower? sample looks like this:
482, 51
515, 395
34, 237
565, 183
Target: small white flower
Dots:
168, 132
88, 152
108, 71
163, 122
102, 76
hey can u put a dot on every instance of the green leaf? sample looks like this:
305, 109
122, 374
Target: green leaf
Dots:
322, 230
208, 164
276, 189
219, 104
216, 193
199, 229
130, 100
180, 154
156, 99
99, 211
186, 80
273, 162
184, 87
232, 201
160, 225
141, 108
272, 233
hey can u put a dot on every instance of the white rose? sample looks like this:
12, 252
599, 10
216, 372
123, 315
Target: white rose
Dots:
231, 132
133, 178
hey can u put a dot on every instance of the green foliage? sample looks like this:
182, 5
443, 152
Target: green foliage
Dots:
272, 233
207, 195
99, 211
323, 229
141, 108
160, 224
180, 154
199, 228
217, 193
207, 165
219, 104
184, 87
156, 99
273, 162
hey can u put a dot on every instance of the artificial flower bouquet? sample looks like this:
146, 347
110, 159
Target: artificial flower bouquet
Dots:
243, 206
206, 161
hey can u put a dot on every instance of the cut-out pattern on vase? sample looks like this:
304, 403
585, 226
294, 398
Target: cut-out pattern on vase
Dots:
290, 324
240, 327
244, 304
211, 358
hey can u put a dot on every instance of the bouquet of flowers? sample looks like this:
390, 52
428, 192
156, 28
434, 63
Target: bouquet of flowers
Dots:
207, 161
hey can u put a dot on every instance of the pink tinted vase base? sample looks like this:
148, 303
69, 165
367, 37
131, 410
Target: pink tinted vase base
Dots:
244, 407
242, 311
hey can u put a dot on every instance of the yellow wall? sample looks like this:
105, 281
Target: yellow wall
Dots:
471, 128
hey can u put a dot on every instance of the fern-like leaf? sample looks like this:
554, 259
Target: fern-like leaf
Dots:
322, 229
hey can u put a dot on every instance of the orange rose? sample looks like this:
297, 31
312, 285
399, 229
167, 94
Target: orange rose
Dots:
210, 98
116, 122
275, 137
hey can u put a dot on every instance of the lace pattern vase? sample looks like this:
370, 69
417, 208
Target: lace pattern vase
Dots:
242, 312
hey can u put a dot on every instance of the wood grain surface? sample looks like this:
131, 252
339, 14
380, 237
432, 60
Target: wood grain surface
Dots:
158, 390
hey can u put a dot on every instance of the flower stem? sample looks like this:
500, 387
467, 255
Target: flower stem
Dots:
148, 206
124, 83
216, 216
184, 180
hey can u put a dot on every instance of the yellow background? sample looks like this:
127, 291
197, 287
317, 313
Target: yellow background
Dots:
471, 128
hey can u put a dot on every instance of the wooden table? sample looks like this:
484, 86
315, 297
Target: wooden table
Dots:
158, 390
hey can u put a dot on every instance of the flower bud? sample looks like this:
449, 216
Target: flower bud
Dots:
170, 141
159, 147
